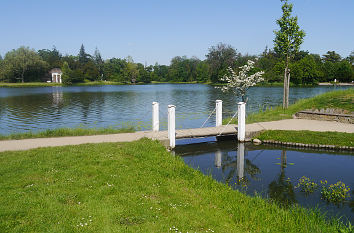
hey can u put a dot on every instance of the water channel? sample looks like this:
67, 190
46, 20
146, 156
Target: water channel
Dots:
273, 172
23, 109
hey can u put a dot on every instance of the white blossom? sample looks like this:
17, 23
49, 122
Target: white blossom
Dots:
239, 83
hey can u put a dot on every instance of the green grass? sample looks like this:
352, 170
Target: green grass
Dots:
31, 84
270, 84
157, 82
309, 137
87, 83
62, 132
281, 84
131, 187
343, 99
98, 83
43, 84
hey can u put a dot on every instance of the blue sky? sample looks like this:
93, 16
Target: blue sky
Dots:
157, 30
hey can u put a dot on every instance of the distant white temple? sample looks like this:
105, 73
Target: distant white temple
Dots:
56, 75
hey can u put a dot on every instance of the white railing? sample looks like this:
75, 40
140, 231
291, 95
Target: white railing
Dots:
171, 132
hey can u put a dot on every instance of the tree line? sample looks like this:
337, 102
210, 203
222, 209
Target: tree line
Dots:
27, 65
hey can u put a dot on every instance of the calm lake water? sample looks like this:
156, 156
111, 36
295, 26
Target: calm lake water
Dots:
273, 172
23, 109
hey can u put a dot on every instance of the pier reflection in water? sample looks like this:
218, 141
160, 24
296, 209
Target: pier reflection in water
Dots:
273, 172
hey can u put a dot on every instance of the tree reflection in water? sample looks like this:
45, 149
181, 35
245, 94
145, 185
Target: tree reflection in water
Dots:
281, 189
238, 167
351, 202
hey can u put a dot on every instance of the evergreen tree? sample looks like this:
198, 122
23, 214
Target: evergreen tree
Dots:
83, 56
332, 56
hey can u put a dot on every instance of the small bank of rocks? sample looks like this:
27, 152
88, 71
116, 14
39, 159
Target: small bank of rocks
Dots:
295, 144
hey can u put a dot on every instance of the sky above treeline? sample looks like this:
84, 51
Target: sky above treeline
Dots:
157, 30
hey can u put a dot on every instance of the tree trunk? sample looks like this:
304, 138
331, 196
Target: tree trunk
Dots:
23, 76
285, 87
286, 84
288, 90
283, 163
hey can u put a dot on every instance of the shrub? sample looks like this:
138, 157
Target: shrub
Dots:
335, 193
307, 185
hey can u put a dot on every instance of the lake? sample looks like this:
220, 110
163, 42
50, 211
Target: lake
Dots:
24, 109
273, 172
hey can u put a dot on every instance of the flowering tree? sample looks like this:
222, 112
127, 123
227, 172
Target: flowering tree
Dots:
239, 83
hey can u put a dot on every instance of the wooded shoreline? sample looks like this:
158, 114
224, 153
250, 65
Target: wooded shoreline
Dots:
43, 84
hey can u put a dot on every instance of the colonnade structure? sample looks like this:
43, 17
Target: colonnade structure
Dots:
171, 132
56, 75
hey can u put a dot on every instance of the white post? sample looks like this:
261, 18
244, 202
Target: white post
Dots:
241, 131
240, 163
218, 107
172, 125
155, 117
217, 159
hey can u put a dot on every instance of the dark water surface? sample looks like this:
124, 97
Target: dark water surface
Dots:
274, 172
23, 109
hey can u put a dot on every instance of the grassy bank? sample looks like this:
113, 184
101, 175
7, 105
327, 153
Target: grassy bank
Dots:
342, 99
271, 84
131, 187
62, 132
98, 83
95, 83
32, 84
43, 84
309, 137
156, 82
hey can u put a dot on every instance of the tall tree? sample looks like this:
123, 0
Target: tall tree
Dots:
67, 74
131, 70
83, 56
202, 71
114, 69
19, 62
287, 43
52, 57
331, 56
350, 58
98, 62
219, 58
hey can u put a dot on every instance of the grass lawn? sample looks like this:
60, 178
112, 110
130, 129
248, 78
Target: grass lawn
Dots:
44, 84
31, 84
343, 99
309, 137
62, 132
131, 187
98, 83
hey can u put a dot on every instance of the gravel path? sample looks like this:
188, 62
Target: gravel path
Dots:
251, 129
